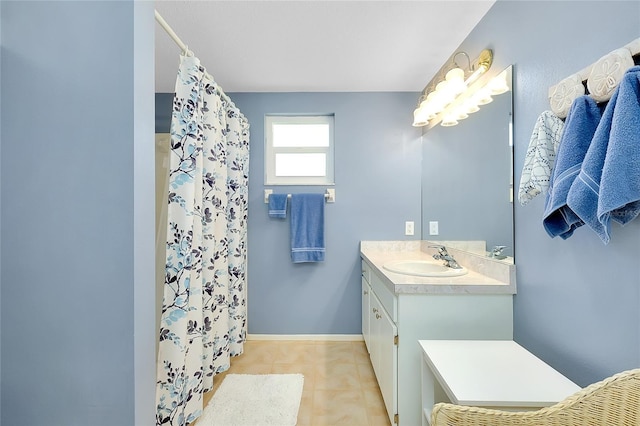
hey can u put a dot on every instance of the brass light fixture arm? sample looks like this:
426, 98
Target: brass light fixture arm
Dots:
484, 59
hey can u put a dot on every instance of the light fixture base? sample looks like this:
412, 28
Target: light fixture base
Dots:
485, 59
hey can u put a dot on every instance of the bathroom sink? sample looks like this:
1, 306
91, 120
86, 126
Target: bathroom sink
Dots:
423, 268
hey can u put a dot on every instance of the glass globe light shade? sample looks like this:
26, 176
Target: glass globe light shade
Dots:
449, 121
455, 81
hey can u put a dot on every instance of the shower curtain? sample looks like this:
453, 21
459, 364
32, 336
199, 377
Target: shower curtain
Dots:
203, 319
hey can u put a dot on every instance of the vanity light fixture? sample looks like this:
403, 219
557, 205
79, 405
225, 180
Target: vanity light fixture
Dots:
449, 120
452, 86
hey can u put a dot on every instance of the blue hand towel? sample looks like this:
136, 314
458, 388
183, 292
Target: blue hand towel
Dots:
307, 228
278, 205
608, 185
580, 125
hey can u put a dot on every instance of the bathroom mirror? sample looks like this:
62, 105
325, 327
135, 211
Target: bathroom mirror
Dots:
467, 177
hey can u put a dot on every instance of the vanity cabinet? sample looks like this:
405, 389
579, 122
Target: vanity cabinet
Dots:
380, 335
366, 292
394, 318
384, 354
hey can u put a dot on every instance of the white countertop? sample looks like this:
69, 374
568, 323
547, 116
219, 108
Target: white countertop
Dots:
376, 255
494, 373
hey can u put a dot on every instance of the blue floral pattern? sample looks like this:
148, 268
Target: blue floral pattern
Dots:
203, 320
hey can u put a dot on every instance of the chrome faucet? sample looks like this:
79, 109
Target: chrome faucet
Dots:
442, 254
496, 252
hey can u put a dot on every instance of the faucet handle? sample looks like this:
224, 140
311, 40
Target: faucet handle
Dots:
498, 249
496, 252
442, 251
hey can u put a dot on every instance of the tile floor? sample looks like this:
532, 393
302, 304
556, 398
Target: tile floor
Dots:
340, 387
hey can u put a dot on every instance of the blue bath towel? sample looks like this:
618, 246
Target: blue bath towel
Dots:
580, 125
307, 228
620, 185
608, 185
278, 205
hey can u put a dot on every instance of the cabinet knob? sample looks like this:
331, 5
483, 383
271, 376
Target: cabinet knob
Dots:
378, 316
375, 310
366, 292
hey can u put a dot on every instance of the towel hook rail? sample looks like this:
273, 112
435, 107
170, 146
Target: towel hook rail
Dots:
608, 68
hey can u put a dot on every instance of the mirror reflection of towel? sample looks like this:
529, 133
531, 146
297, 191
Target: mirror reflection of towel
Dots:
307, 228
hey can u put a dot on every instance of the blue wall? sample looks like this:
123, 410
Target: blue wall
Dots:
67, 247
377, 172
578, 301
144, 306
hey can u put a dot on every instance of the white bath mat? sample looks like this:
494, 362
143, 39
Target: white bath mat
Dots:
255, 400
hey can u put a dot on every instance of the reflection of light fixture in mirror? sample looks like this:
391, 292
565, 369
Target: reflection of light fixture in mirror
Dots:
483, 96
470, 107
471, 101
475, 97
460, 114
498, 85
449, 120
451, 82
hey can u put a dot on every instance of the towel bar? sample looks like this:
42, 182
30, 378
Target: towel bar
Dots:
329, 195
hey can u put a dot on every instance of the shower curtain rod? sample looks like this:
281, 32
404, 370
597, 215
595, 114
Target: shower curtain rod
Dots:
185, 50
171, 33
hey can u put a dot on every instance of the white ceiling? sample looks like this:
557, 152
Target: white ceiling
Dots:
315, 46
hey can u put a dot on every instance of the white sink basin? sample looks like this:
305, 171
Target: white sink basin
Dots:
423, 268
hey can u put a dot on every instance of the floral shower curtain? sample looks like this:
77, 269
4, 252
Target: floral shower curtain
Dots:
203, 319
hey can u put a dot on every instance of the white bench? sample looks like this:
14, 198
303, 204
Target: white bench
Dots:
488, 373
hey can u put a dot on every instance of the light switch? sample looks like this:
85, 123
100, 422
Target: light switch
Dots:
408, 228
433, 228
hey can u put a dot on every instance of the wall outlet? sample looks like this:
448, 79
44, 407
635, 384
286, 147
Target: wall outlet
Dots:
433, 228
408, 228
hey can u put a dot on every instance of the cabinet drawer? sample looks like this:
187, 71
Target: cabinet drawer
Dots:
387, 298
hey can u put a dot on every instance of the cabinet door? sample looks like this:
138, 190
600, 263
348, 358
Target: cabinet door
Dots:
366, 314
384, 355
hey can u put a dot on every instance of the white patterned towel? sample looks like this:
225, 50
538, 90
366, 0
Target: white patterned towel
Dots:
541, 155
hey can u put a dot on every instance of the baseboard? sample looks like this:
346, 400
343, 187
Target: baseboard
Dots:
317, 337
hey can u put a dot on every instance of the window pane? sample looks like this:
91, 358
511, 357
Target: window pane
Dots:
301, 164
300, 135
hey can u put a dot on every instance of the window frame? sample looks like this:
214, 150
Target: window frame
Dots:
270, 151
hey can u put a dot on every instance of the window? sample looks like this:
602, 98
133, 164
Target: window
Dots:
299, 150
